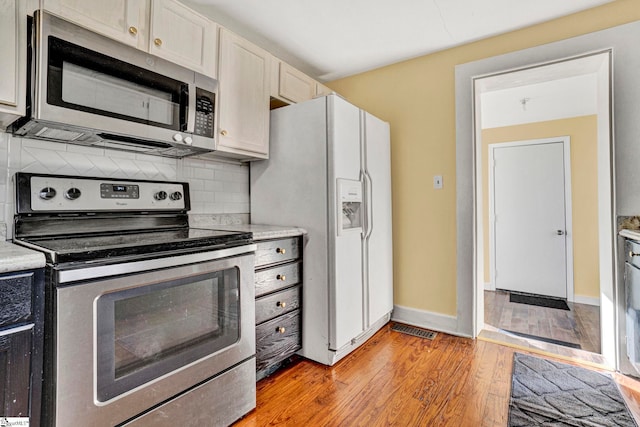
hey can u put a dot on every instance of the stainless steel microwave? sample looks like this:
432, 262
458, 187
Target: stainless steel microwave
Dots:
87, 89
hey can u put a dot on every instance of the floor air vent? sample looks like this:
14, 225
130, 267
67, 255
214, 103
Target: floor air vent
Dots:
416, 332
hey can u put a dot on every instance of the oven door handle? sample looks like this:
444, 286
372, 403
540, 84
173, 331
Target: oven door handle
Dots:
89, 273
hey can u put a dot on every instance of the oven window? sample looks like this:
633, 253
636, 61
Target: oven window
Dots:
84, 80
146, 332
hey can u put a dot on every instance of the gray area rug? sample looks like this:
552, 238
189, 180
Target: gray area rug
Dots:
553, 394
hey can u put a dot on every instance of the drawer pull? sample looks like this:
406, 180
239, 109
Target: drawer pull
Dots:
133, 30
282, 304
281, 277
632, 254
157, 42
281, 251
281, 330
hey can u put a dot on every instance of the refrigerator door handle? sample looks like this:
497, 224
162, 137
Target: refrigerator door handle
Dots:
368, 194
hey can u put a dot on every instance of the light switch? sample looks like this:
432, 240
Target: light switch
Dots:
437, 182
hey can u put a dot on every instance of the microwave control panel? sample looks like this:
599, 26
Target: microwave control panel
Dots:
205, 110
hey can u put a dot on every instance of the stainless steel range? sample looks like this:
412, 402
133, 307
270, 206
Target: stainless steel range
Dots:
148, 321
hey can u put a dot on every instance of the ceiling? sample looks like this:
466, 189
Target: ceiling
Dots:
330, 39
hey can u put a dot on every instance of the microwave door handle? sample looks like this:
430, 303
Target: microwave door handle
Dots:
190, 102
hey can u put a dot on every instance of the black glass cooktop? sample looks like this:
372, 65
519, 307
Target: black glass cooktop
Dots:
143, 244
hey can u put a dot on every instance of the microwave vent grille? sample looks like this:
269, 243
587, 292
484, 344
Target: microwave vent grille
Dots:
59, 134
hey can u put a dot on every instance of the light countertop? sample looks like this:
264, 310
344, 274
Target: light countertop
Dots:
630, 234
261, 231
19, 258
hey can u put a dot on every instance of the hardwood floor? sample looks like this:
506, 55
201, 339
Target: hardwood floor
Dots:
578, 326
401, 380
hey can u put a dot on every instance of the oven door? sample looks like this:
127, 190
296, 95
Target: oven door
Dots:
131, 342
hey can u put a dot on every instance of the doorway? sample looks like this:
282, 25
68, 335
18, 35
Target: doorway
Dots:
529, 99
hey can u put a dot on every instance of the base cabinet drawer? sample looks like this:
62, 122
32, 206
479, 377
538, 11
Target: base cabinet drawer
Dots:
16, 294
278, 339
274, 251
278, 277
277, 304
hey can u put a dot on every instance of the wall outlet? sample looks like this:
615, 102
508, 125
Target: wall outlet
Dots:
437, 182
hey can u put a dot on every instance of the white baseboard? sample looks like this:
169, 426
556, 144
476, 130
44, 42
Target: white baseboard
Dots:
427, 320
586, 300
489, 287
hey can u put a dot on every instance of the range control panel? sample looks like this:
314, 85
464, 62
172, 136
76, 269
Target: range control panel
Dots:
81, 194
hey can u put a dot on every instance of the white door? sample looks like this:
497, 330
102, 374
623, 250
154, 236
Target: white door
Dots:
530, 220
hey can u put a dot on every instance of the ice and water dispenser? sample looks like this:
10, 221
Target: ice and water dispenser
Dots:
350, 203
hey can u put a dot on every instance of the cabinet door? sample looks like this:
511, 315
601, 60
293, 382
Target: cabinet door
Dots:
180, 35
244, 97
13, 36
295, 85
122, 20
15, 358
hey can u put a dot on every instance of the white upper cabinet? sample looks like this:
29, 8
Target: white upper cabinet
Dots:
13, 73
294, 85
322, 90
243, 107
164, 28
180, 35
122, 20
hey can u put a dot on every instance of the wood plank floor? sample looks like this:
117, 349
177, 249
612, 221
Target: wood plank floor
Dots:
400, 380
578, 326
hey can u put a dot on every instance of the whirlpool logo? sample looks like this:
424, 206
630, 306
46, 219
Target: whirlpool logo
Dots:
14, 422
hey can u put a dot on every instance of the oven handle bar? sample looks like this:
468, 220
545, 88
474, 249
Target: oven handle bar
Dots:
67, 276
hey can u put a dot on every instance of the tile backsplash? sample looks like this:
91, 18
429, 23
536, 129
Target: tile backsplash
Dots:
217, 187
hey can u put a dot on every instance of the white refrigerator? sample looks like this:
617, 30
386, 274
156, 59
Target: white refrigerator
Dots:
329, 172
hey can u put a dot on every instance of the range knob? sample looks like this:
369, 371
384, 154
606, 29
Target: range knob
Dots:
48, 193
73, 193
176, 195
160, 195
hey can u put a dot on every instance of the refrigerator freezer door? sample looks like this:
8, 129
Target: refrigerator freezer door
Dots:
378, 237
346, 297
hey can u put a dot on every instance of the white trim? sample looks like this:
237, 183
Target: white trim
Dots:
587, 300
427, 319
568, 211
489, 286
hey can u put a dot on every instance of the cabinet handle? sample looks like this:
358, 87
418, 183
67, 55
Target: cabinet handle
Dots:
133, 31
157, 42
223, 132
281, 277
281, 330
282, 304
281, 251
632, 254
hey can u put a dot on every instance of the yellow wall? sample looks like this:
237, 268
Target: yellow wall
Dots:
584, 191
417, 97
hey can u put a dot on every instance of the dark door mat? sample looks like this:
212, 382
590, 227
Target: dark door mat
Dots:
549, 393
538, 300
544, 339
416, 332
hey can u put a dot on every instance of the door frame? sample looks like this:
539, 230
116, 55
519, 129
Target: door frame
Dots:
568, 212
